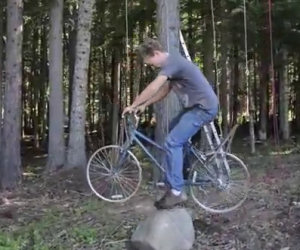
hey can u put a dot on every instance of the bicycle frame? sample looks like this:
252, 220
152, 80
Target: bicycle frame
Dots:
136, 136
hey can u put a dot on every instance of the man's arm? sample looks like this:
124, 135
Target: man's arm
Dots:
162, 92
150, 91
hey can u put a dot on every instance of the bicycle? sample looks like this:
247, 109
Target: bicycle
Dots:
218, 180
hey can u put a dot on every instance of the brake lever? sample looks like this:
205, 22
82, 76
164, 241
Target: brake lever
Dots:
137, 119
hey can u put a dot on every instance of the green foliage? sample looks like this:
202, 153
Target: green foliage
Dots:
51, 232
7, 243
84, 234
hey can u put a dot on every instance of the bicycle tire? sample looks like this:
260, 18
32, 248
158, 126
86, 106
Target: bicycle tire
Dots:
218, 184
113, 173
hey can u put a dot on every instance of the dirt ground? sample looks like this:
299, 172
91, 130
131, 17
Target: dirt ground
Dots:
60, 212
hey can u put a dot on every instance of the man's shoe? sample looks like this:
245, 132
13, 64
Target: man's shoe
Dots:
170, 200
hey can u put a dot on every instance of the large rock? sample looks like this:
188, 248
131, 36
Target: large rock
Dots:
165, 230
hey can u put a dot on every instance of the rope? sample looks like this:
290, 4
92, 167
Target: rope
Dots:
168, 50
246, 57
167, 12
127, 33
214, 40
183, 45
246, 40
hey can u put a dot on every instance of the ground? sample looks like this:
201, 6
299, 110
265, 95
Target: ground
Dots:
59, 211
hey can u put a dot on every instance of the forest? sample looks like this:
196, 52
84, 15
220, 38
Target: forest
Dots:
69, 67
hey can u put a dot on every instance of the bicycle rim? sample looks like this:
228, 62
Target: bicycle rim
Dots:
114, 174
220, 190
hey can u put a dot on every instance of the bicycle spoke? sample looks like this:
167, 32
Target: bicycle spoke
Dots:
106, 157
129, 178
123, 188
129, 174
97, 172
124, 167
129, 182
118, 194
98, 159
98, 178
99, 167
100, 186
114, 174
228, 185
113, 188
128, 188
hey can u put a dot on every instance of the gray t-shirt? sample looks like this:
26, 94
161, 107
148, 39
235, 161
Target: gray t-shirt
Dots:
189, 83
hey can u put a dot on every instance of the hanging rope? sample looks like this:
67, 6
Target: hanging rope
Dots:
246, 44
167, 24
246, 58
127, 33
214, 40
168, 50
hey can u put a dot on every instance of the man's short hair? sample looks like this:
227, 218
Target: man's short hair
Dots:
148, 47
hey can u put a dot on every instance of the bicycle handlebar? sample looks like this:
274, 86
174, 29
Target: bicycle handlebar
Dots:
132, 118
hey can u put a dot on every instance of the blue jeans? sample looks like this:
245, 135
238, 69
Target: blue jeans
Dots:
184, 126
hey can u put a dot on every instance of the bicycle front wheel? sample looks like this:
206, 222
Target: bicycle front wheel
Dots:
221, 184
113, 173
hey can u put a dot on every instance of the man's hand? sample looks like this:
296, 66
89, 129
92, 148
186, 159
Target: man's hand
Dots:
132, 109
129, 109
140, 109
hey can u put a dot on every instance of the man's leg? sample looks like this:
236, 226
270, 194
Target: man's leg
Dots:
190, 122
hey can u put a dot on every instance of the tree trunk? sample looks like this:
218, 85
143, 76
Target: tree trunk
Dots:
76, 156
224, 97
264, 82
190, 29
104, 95
236, 86
43, 117
168, 30
208, 49
35, 88
284, 96
255, 91
116, 93
133, 74
1, 68
297, 89
251, 111
10, 165
168, 24
264, 75
56, 146
71, 58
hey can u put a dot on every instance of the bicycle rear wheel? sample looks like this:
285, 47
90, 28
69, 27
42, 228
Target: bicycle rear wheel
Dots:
221, 184
113, 173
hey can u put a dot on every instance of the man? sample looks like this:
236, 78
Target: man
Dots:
200, 107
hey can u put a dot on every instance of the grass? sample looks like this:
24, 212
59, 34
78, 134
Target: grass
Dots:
57, 229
